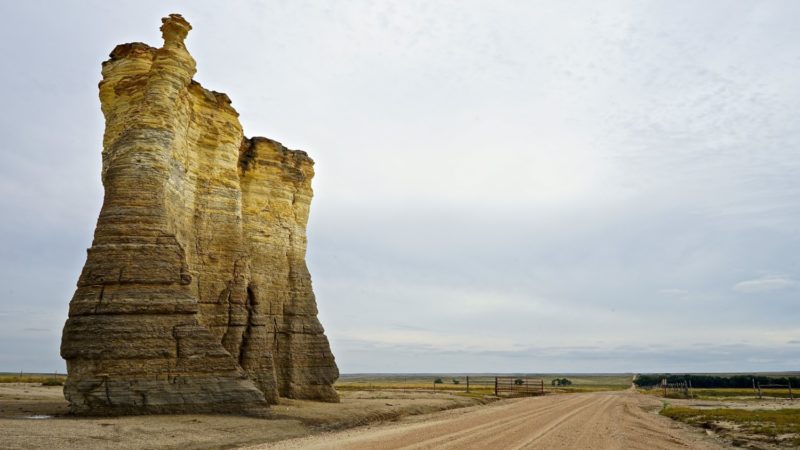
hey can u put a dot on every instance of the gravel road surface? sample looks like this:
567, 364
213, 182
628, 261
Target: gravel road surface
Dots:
602, 420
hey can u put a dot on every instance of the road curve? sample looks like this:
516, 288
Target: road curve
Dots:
602, 420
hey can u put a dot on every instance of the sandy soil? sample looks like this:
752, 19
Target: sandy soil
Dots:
771, 403
733, 432
21, 403
606, 420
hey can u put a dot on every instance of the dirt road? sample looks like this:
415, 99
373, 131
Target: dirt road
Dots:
32, 416
604, 420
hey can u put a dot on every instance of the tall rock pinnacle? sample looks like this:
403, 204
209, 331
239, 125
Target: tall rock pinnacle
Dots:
195, 295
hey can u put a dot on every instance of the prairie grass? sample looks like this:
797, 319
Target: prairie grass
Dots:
724, 393
479, 384
46, 379
781, 426
734, 392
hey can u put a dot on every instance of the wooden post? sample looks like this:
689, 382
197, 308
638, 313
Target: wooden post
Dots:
495, 386
467, 383
755, 393
434, 386
664, 383
791, 396
691, 394
759, 389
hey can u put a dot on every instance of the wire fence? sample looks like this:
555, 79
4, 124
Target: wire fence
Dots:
759, 389
500, 386
684, 389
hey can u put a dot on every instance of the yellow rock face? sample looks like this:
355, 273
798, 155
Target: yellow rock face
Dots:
195, 295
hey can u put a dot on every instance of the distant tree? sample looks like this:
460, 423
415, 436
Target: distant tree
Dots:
560, 382
438, 381
519, 381
456, 381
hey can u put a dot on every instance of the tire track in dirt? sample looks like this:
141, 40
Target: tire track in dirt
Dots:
460, 437
598, 410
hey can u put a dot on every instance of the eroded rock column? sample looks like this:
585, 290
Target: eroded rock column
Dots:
190, 299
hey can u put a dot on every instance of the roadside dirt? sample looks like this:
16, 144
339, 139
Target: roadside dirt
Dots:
33, 416
749, 404
603, 420
735, 433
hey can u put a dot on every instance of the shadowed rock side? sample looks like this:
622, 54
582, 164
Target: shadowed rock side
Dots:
195, 296
276, 196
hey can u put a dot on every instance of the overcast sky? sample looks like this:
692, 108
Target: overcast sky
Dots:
501, 185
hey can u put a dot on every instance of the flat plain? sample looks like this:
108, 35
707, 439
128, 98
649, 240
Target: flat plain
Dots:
397, 410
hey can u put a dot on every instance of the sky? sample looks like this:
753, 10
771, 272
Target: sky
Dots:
501, 186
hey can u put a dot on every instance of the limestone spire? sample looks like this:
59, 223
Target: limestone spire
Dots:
195, 296
174, 29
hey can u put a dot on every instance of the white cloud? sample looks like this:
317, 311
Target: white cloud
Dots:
767, 283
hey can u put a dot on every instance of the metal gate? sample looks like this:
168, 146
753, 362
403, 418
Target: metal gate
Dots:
518, 386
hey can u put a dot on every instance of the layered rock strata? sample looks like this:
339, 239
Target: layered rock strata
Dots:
195, 296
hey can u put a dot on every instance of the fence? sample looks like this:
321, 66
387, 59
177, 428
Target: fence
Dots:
758, 388
474, 384
682, 388
518, 386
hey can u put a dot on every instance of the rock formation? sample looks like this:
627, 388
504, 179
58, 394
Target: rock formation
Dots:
195, 296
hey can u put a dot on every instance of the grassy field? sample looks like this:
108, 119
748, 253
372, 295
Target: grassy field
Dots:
725, 393
780, 426
479, 383
721, 393
44, 378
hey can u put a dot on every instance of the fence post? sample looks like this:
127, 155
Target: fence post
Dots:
755, 393
467, 383
495, 385
664, 383
542, 382
789, 380
759, 389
